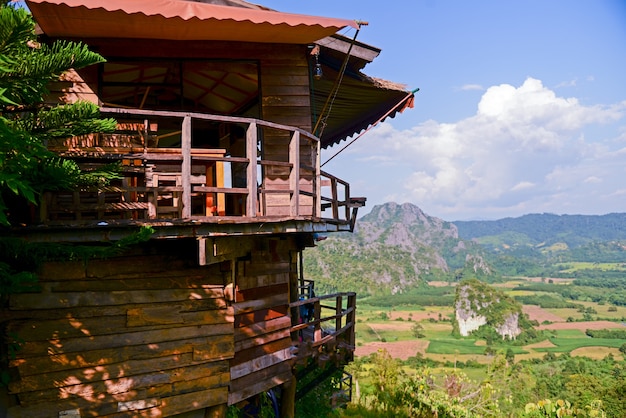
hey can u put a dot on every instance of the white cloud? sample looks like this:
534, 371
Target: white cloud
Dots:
522, 185
592, 179
525, 150
472, 87
568, 83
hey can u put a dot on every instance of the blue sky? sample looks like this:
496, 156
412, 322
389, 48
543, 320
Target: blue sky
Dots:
521, 108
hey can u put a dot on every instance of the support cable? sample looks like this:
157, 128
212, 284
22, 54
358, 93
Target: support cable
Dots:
330, 100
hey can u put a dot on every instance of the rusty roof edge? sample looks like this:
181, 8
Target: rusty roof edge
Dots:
188, 10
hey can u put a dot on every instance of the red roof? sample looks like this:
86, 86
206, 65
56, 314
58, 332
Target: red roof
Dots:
178, 20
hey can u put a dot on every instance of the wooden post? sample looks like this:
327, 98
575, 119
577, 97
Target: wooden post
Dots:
301, 271
186, 167
152, 191
202, 251
317, 309
317, 183
346, 196
43, 207
338, 312
294, 175
288, 399
351, 318
333, 187
251, 151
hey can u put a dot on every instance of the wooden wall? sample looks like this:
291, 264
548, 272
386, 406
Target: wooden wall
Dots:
151, 333
262, 321
145, 334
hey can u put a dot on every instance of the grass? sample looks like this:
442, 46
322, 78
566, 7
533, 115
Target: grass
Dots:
454, 346
570, 333
566, 345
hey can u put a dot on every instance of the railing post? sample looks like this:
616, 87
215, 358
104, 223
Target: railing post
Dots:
294, 175
338, 312
346, 196
317, 184
351, 318
251, 154
335, 196
317, 315
186, 166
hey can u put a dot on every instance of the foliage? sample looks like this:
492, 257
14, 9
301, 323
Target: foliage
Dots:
562, 409
618, 334
259, 406
585, 387
395, 394
418, 330
423, 295
546, 228
27, 168
320, 395
546, 301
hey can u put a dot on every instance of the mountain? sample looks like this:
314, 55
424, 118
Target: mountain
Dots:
542, 237
547, 229
394, 248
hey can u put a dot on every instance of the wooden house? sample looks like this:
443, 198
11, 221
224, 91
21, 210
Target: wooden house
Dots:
222, 117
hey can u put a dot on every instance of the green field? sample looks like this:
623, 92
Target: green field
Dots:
384, 324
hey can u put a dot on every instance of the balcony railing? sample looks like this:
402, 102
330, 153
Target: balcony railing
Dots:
192, 166
325, 325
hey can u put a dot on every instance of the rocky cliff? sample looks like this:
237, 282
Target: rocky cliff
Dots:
393, 248
477, 304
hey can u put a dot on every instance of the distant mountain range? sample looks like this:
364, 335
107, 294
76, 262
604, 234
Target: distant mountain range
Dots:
546, 229
395, 248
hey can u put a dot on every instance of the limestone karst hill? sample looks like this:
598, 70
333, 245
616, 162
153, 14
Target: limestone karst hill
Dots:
393, 248
477, 304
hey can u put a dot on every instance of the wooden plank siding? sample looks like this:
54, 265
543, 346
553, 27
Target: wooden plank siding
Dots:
146, 333
286, 100
263, 346
72, 87
151, 333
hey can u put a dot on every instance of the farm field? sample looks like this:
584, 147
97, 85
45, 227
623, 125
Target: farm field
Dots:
392, 329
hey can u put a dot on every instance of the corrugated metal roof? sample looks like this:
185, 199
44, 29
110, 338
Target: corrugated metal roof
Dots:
362, 101
178, 20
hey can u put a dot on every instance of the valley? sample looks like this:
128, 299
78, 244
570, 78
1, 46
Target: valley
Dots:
565, 276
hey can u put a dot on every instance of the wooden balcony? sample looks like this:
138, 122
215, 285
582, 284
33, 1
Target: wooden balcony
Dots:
324, 328
208, 169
